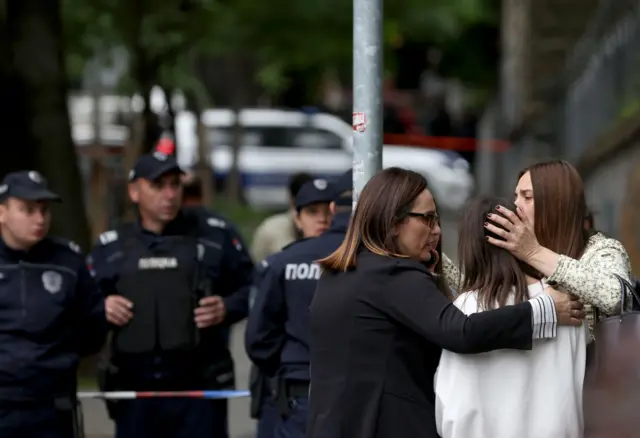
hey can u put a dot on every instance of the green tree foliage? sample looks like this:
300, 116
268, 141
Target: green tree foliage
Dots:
280, 34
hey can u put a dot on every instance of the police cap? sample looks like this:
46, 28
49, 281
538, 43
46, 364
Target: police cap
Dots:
313, 192
28, 185
343, 184
153, 166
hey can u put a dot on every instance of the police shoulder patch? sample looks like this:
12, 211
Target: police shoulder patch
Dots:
215, 222
108, 237
75, 247
68, 244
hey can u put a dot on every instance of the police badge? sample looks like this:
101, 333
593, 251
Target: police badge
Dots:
52, 281
320, 184
35, 177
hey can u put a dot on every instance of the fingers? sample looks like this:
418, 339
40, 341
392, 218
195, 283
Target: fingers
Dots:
120, 300
563, 304
208, 319
210, 301
501, 220
498, 242
568, 310
496, 230
205, 310
119, 318
511, 216
577, 317
210, 312
118, 310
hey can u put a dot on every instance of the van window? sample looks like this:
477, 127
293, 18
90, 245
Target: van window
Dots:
280, 137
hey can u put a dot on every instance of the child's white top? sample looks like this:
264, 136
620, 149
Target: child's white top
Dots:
513, 394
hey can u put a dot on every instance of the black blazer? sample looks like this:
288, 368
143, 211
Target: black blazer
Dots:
376, 337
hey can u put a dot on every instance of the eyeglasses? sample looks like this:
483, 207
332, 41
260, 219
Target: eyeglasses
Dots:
430, 219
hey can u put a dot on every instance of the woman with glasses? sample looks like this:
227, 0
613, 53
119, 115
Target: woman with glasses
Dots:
379, 322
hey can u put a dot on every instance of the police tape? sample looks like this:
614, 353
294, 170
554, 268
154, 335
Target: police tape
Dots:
128, 395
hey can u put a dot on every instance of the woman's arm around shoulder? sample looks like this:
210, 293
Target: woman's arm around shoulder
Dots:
592, 277
411, 298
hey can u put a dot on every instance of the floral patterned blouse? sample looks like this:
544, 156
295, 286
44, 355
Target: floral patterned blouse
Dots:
589, 278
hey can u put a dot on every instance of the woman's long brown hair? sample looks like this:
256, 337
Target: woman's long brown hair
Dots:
560, 207
491, 271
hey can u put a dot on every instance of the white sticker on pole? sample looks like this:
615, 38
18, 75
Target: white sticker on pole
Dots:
359, 122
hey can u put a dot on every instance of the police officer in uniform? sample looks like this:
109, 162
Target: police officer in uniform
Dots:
276, 339
312, 217
174, 281
51, 314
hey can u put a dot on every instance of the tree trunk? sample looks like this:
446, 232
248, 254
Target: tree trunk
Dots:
35, 30
171, 115
233, 183
152, 130
99, 196
97, 210
145, 73
13, 122
213, 71
203, 168
132, 151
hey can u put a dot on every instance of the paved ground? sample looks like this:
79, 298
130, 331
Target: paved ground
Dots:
98, 425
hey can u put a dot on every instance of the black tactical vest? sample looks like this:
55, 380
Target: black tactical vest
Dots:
163, 284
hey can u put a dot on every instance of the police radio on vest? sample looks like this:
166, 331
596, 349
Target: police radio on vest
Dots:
302, 271
158, 263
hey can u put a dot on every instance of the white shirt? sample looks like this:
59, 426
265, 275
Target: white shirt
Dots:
513, 394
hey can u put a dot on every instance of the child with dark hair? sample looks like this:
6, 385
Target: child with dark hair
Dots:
506, 394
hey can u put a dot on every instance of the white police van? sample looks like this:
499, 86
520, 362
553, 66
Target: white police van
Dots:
278, 143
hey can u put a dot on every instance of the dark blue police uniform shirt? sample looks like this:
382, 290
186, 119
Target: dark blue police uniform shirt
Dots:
226, 260
277, 336
242, 262
51, 314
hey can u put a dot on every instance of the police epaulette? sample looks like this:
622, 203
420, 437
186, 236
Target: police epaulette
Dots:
69, 244
294, 242
108, 237
216, 222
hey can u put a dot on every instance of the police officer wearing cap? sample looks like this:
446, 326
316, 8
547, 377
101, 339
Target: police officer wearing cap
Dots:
277, 333
173, 282
51, 314
312, 217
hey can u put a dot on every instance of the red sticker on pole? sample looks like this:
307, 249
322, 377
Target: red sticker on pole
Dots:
359, 122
